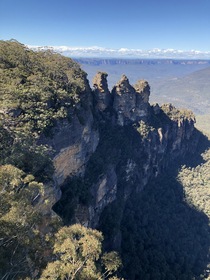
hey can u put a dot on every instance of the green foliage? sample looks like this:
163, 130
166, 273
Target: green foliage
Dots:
196, 184
78, 253
22, 244
111, 263
5, 141
144, 129
18, 148
16, 185
37, 88
40, 164
177, 114
162, 236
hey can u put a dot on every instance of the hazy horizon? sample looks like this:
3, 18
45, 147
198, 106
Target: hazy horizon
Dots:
125, 53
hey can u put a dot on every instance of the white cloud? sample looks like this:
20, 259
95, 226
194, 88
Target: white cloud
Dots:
125, 52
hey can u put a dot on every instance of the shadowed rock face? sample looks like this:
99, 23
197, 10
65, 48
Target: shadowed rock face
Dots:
101, 92
129, 103
124, 101
142, 87
77, 142
106, 148
160, 134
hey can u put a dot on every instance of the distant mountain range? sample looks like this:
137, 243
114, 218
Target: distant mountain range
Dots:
176, 76
185, 83
190, 91
125, 52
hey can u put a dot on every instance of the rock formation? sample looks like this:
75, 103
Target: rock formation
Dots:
120, 154
130, 103
101, 92
89, 152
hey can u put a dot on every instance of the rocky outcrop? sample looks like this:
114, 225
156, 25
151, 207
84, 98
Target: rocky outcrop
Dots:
101, 92
104, 192
143, 89
126, 150
106, 147
73, 140
130, 103
164, 142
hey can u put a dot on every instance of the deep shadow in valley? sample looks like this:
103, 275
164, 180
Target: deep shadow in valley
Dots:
163, 237
159, 235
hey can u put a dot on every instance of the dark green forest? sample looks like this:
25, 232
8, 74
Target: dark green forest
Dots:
165, 228
36, 90
162, 232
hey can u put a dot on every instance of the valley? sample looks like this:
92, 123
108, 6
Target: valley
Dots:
185, 83
96, 181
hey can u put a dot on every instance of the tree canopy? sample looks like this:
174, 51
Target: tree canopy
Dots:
78, 255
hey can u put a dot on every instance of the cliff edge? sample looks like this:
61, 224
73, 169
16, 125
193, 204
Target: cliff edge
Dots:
136, 142
95, 145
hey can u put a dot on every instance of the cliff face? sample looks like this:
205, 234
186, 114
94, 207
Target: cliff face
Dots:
101, 92
131, 103
122, 143
73, 142
105, 144
98, 157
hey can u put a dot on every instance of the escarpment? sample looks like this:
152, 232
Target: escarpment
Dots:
105, 158
103, 144
130, 142
73, 142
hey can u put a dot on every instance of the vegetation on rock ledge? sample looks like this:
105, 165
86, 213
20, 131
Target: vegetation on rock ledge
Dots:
164, 228
37, 89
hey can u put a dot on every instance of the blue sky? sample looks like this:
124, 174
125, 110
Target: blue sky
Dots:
138, 24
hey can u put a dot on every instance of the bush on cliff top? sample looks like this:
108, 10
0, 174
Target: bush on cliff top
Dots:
36, 88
